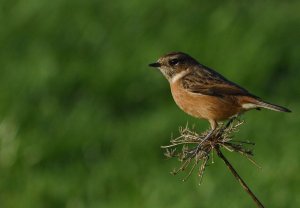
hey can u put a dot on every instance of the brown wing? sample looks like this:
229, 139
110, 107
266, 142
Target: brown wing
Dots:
208, 82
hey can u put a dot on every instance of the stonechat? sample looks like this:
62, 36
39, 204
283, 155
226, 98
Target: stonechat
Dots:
203, 93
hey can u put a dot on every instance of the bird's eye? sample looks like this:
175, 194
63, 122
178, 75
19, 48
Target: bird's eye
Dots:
173, 62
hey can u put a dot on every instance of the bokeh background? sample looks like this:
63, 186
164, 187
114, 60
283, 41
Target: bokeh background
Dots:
82, 116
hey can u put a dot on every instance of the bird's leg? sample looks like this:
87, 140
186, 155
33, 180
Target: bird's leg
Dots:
227, 124
213, 125
230, 121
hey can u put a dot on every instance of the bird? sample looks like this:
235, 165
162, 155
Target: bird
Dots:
204, 93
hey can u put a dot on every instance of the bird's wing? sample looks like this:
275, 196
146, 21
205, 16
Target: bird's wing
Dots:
208, 82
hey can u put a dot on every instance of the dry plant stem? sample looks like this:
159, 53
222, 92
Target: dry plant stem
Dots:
192, 149
237, 176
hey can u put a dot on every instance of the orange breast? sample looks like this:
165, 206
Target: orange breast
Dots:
205, 106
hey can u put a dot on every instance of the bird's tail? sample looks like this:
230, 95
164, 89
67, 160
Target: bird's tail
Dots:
263, 104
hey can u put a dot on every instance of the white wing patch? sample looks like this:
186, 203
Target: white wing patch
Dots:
249, 106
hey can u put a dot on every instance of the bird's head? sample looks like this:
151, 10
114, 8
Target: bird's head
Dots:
174, 64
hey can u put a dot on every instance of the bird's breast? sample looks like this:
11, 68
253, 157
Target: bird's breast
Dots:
204, 106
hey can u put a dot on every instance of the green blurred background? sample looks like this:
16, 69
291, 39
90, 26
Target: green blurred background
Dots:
82, 116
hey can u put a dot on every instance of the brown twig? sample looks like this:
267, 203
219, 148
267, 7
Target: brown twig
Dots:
238, 178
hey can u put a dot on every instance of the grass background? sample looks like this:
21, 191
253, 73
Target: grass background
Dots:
82, 116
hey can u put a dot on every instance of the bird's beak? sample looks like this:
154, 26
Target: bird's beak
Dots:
156, 64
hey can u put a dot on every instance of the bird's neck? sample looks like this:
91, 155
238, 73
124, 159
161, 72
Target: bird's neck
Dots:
179, 76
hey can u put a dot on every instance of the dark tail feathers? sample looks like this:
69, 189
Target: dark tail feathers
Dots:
263, 104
